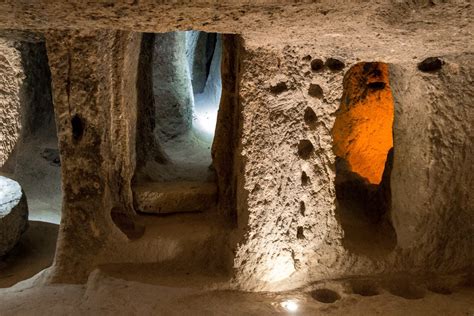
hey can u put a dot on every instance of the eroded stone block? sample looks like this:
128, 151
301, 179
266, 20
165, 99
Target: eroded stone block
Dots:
175, 197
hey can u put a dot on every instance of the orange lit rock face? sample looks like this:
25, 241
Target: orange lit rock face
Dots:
362, 131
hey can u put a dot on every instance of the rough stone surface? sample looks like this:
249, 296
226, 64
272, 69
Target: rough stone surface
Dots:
39, 178
94, 76
419, 175
175, 197
148, 148
272, 133
11, 82
199, 52
363, 127
13, 214
171, 86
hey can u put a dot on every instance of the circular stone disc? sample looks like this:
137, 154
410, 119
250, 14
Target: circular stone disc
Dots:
13, 214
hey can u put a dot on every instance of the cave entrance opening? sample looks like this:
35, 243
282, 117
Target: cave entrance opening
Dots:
182, 73
32, 158
29, 155
363, 145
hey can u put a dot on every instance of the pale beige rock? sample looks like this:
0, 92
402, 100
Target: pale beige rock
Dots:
175, 197
262, 200
11, 82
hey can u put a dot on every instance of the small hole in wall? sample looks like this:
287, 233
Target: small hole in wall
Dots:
377, 85
317, 64
77, 127
305, 149
431, 64
309, 117
278, 87
335, 64
315, 91
302, 208
304, 179
299, 232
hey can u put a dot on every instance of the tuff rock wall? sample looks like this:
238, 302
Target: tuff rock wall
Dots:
289, 209
94, 93
284, 90
10, 108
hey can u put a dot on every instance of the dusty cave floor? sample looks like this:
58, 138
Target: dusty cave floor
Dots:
150, 289
107, 293
41, 180
33, 253
190, 160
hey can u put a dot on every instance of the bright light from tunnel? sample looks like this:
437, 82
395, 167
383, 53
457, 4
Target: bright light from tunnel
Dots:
207, 97
290, 305
205, 119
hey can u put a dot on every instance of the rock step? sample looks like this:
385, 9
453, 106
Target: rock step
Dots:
175, 197
180, 242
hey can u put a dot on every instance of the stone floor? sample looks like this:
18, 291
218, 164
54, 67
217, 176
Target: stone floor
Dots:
107, 295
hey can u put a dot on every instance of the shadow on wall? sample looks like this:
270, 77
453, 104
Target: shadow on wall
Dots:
363, 144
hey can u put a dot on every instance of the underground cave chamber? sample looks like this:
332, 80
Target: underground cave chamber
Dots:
175, 171
298, 151
363, 145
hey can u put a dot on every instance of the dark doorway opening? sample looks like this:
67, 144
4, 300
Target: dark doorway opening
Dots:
363, 144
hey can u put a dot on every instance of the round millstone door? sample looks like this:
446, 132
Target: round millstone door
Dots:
13, 214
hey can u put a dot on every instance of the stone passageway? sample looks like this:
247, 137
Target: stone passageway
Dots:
225, 158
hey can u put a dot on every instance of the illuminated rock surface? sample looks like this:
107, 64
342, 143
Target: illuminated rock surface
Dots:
279, 222
10, 85
362, 131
